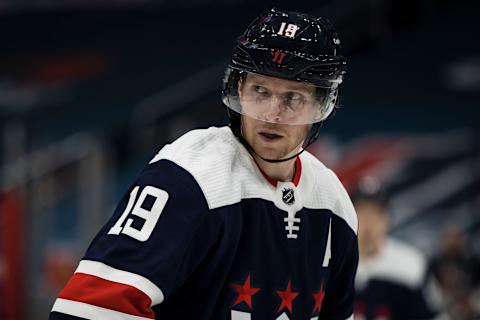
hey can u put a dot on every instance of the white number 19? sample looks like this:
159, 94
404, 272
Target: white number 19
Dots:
150, 216
288, 32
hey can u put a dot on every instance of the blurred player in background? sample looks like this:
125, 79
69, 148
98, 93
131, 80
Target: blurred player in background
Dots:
236, 222
457, 272
392, 281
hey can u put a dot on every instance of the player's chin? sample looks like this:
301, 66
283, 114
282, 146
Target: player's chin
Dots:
269, 152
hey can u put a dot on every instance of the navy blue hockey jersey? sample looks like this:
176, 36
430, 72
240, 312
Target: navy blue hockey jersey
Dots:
201, 234
395, 286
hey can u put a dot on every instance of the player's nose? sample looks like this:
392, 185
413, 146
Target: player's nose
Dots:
273, 110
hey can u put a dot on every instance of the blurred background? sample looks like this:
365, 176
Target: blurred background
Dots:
91, 90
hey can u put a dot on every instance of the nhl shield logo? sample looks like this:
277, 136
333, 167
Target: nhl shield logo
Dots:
288, 196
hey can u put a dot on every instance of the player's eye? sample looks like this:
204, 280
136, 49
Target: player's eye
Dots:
293, 100
261, 93
260, 90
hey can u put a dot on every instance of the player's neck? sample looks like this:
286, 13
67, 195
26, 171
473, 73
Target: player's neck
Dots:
279, 171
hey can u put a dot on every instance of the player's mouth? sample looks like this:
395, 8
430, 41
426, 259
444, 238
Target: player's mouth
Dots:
270, 136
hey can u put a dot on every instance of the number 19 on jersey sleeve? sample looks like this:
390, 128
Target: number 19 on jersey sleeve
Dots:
150, 216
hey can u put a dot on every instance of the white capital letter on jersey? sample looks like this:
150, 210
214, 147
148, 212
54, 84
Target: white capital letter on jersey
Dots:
283, 316
150, 216
239, 315
328, 251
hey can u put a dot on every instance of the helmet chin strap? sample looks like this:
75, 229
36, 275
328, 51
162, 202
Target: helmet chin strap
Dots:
315, 132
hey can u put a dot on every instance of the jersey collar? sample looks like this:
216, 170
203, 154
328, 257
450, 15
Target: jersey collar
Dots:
296, 177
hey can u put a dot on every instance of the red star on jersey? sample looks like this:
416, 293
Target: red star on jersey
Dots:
318, 299
245, 292
287, 298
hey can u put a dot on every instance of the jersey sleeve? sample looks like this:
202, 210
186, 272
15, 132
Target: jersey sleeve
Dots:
158, 234
340, 293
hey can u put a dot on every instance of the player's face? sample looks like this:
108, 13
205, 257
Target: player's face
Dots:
372, 227
274, 99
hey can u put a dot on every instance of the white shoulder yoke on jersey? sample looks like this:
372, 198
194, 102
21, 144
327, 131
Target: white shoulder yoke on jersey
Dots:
227, 173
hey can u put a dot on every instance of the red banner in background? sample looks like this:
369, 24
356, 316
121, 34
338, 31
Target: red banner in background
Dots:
11, 256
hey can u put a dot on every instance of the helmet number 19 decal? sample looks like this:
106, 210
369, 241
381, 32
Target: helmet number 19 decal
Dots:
289, 31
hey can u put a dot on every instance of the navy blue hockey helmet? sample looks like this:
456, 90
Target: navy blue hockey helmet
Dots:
292, 46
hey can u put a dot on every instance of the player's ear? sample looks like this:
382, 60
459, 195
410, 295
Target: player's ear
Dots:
318, 113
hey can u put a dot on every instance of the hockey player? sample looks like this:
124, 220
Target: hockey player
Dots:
392, 281
236, 222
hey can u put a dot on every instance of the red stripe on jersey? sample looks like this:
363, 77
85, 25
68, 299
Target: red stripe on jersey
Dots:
298, 171
107, 294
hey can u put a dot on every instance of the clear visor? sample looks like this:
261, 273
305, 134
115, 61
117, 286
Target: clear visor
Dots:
277, 100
